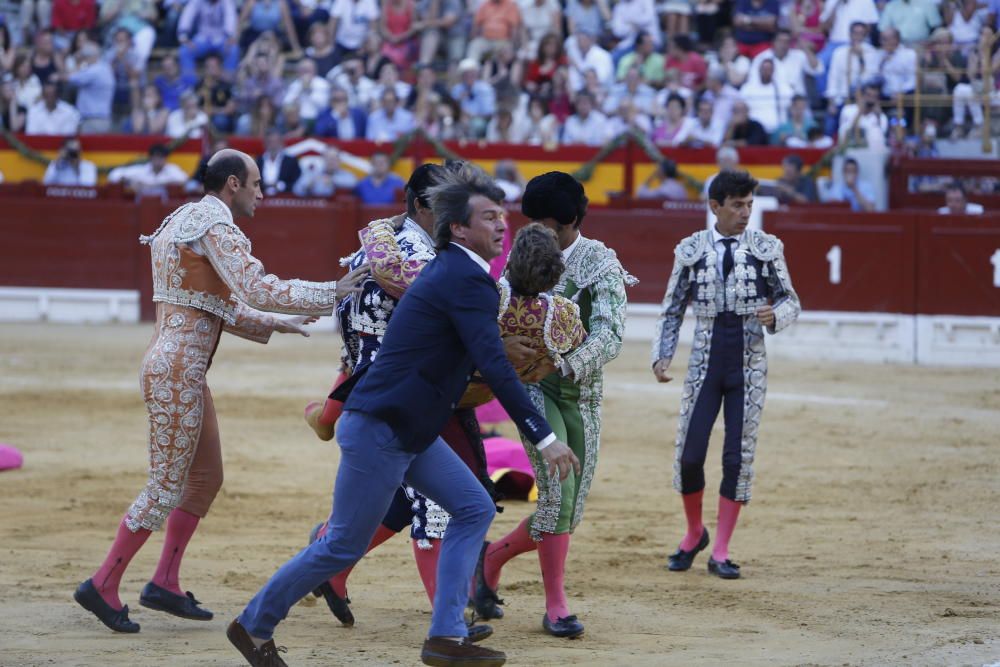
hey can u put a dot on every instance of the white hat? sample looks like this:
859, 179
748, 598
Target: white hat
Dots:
468, 64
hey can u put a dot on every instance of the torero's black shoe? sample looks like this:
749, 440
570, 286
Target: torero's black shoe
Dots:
726, 569
160, 599
485, 600
569, 627
265, 656
441, 652
87, 597
478, 633
339, 606
681, 560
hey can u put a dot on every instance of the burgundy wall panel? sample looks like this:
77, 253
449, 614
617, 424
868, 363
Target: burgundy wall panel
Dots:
959, 265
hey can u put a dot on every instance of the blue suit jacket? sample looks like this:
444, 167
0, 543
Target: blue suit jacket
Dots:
444, 327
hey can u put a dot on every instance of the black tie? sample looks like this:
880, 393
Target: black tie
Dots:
727, 259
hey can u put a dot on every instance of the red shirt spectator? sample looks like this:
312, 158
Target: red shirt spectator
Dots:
498, 20
74, 15
682, 57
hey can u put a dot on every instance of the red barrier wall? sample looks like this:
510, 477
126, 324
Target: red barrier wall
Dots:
889, 262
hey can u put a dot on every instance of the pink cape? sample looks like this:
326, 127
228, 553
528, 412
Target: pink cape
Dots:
509, 468
10, 457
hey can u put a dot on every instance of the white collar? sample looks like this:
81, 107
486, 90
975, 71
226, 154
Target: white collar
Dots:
571, 247
717, 235
483, 264
412, 225
221, 204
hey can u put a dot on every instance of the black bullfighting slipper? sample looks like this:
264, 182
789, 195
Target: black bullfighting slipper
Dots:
185, 606
726, 569
87, 596
339, 607
569, 627
485, 600
681, 560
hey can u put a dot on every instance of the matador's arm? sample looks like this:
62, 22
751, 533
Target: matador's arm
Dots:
783, 297
606, 330
392, 268
251, 324
675, 302
229, 252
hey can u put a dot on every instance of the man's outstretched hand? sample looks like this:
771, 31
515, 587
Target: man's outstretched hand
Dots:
351, 283
560, 459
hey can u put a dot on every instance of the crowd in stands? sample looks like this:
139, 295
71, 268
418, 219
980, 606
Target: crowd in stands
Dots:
796, 73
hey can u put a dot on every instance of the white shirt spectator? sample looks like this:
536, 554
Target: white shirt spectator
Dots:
596, 59
970, 209
899, 70
591, 131
967, 32
354, 20
790, 70
62, 172
847, 70
359, 94
618, 125
537, 21
845, 13
644, 98
62, 120
28, 92
768, 103
873, 127
709, 136
178, 125
310, 98
629, 17
142, 178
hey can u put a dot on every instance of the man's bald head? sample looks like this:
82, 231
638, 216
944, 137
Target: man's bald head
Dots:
227, 162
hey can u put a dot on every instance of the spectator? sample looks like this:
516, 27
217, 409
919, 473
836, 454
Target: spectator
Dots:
839, 16
444, 121
50, 115
72, 16
709, 19
339, 120
8, 53
863, 122
128, 72
506, 128
956, 202
549, 58
650, 62
208, 26
135, 16
589, 16
706, 131
497, 22
279, 171
736, 66
754, 25
793, 185
504, 73
945, 68
851, 65
290, 123
583, 53
69, 168
444, 22
380, 186
629, 18
627, 118
196, 184
676, 125
390, 121
767, 97
152, 177
476, 97
912, 19
672, 86
350, 23
428, 86
965, 19
720, 95
968, 95
804, 23
257, 79
260, 16
797, 126
388, 79
727, 158
172, 84
398, 27
215, 95
560, 104
45, 60
791, 66
857, 192
663, 184
11, 113
262, 117
148, 116
538, 19
815, 138
677, 16
187, 121
268, 46
633, 89
682, 57
543, 126
508, 179
95, 91
586, 126
898, 65
324, 181
308, 92
321, 49
743, 130
592, 85
27, 86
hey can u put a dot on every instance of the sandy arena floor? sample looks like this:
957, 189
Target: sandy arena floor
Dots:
872, 538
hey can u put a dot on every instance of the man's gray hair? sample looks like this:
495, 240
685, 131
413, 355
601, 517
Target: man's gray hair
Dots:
449, 199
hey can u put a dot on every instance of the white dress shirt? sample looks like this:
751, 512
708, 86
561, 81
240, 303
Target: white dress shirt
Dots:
899, 70
63, 120
270, 169
790, 70
970, 209
768, 102
596, 59
847, 70
720, 248
845, 13
591, 131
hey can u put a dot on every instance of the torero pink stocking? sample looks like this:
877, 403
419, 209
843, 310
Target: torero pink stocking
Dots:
729, 512
497, 554
109, 576
180, 527
695, 527
427, 562
552, 552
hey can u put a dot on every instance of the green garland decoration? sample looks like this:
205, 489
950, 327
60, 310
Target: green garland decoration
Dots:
403, 142
652, 151
29, 153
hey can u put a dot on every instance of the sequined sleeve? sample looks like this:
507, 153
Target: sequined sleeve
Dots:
392, 269
229, 252
783, 297
675, 302
606, 327
252, 324
564, 329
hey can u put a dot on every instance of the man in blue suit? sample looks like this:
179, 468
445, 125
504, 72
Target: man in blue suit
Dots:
443, 328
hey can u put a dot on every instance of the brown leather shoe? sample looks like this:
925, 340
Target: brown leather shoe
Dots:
265, 656
440, 652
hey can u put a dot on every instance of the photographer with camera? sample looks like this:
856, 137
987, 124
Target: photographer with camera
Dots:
69, 168
864, 123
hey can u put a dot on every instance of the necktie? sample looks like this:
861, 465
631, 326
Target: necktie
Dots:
727, 259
